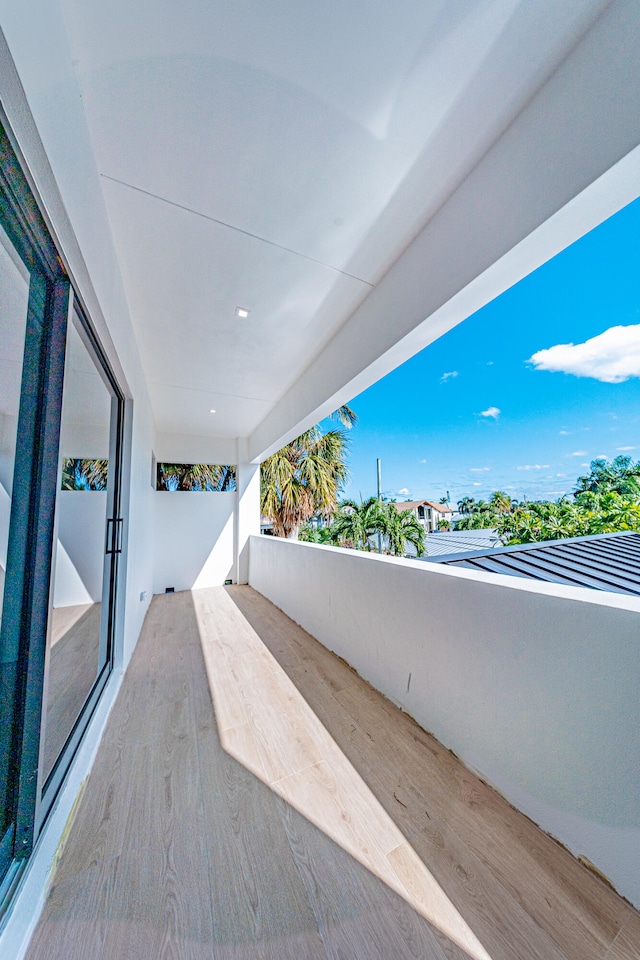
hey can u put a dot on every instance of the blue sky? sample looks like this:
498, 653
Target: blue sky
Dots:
471, 413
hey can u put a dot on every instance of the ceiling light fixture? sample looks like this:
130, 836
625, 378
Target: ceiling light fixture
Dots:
211, 411
242, 312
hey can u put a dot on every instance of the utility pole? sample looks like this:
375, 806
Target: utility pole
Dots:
379, 501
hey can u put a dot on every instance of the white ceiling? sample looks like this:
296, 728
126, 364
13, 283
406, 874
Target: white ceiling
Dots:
280, 156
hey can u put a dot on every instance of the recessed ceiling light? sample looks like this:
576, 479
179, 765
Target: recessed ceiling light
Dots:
242, 312
211, 411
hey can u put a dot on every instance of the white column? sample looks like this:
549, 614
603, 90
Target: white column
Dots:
248, 509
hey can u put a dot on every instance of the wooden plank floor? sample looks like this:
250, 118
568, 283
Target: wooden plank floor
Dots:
306, 818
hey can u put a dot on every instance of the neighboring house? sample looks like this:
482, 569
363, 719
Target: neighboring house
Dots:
427, 512
266, 525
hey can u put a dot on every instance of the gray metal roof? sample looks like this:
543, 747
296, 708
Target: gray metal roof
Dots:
445, 543
608, 561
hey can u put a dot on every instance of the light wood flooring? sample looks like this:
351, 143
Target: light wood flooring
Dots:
306, 818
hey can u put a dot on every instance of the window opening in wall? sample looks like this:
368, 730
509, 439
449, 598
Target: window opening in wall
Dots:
196, 477
83, 474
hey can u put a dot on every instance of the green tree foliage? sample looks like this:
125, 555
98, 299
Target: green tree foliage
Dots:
360, 526
356, 524
590, 513
500, 502
621, 475
402, 527
311, 533
606, 500
196, 477
303, 479
478, 515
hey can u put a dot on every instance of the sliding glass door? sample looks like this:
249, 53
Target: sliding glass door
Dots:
61, 414
86, 553
14, 306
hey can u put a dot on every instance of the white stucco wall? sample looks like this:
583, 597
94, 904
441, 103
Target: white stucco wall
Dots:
194, 539
535, 686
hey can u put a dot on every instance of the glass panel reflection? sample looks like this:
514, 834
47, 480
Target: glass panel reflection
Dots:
14, 298
77, 638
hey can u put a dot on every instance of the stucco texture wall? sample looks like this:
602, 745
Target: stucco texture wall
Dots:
533, 685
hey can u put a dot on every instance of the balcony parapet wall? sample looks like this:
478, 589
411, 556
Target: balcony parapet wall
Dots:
535, 686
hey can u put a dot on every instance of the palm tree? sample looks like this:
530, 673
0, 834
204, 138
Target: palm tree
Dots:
356, 523
500, 501
400, 528
302, 479
308, 533
345, 416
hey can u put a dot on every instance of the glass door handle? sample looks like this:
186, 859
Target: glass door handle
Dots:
118, 535
114, 535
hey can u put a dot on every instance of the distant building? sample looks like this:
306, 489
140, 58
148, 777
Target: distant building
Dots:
427, 512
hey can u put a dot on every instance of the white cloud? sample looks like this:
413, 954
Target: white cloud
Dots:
578, 453
479, 469
476, 484
601, 456
585, 464
448, 376
422, 461
612, 356
624, 449
560, 474
491, 412
489, 363
534, 466
403, 493
564, 433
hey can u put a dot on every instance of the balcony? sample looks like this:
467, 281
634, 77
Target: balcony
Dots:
254, 217
304, 815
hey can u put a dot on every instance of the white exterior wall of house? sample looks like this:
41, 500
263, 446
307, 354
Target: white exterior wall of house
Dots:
518, 206
194, 540
533, 685
200, 538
